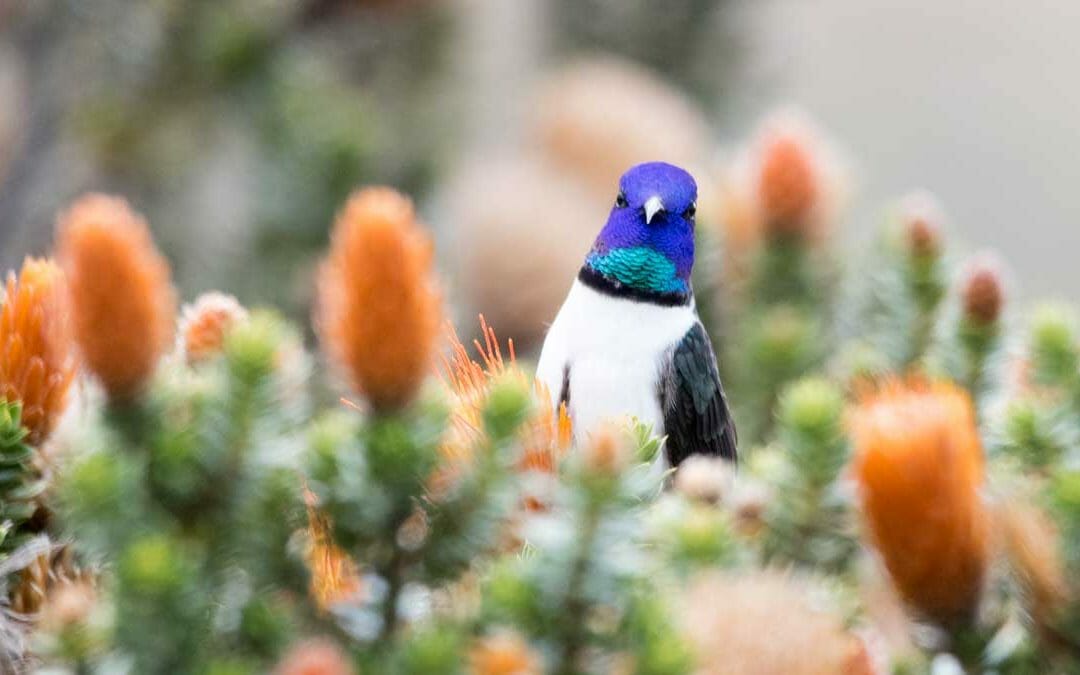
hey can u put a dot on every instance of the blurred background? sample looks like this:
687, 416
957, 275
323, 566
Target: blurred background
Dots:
238, 127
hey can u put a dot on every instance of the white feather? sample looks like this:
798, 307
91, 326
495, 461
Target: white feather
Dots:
615, 348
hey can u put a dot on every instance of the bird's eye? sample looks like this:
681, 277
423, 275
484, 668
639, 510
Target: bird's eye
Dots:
691, 210
620, 201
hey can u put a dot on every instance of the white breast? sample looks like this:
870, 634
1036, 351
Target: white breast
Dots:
613, 348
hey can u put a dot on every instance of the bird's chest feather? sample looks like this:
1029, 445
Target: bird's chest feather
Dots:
614, 351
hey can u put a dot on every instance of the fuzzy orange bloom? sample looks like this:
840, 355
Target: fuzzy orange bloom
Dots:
788, 184
37, 348
205, 323
379, 309
545, 437
919, 464
123, 302
503, 653
315, 657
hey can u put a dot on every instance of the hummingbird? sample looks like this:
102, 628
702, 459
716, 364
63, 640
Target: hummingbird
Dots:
628, 340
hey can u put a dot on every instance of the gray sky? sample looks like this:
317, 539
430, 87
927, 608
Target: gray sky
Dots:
978, 101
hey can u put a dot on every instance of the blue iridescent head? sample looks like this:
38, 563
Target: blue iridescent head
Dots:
647, 245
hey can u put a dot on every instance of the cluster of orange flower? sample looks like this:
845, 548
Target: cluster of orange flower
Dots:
107, 304
109, 301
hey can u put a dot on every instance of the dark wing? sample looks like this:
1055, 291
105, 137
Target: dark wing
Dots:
696, 415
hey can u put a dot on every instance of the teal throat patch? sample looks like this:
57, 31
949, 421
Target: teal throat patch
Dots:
639, 267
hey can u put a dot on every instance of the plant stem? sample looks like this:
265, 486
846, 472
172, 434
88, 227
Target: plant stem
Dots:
395, 583
574, 605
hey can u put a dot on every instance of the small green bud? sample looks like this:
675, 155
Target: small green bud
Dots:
811, 432
433, 651
812, 407
400, 454
96, 481
331, 434
1066, 494
507, 407
153, 564
703, 537
510, 594
1033, 434
251, 346
1053, 344
784, 331
767, 463
266, 622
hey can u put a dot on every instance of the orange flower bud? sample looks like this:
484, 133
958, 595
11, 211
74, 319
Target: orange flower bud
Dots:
982, 290
919, 464
921, 224
315, 657
37, 349
123, 302
608, 451
378, 306
791, 181
503, 653
205, 322
788, 184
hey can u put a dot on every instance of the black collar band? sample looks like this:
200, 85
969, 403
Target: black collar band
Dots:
617, 289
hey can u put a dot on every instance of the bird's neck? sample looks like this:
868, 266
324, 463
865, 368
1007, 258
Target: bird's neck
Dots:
638, 272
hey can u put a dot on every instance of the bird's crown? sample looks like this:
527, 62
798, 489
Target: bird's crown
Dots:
646, 248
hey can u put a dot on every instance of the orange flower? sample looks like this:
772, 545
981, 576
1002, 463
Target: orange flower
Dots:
122, 299
787, 184
315, 657
791, 180
919, 463
468, 383
37, 349
545, 437
205, 323
503, 653
334, 575
379, 309
766, 622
